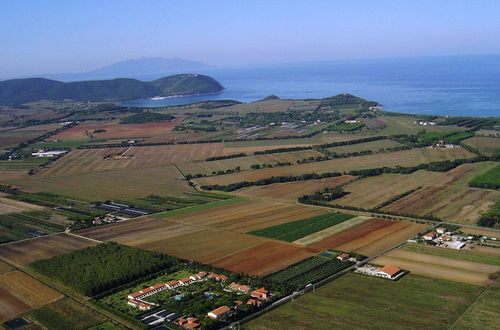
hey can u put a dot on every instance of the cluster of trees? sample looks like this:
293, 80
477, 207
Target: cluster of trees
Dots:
271, 180
491, 218
347, 127
488, 180
312, 159
99, 268
278, 164
471, 122
214, 173
241, 154
327, 194
345, 99
146, 117
280, 150
398, 197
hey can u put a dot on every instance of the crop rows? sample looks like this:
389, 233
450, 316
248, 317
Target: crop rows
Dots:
297, 269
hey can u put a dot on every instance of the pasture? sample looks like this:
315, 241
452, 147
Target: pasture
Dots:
23, 253
439, 267
291, 191
14, 136
65, 314
485, 145
483, 313
390, 159
450, 197
481, 231
265, 258
467, 255
358, 301
118, 184
371, 237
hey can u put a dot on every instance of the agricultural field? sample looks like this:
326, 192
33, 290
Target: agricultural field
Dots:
449, 267
358, 301
11, 137
110, 185
244, 163
291, 191
487, 180
474, 254
373, 191
390, 159
483, 313
12, 206
480, 231
295, 230
65, 314
265, 258
450, 198
246, 215
24, 252
485, 145
16, 226
373, 146
369, 238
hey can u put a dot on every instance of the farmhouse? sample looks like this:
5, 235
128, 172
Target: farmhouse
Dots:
261, 293
254, 302
441, 230
343, 257
198, 276
389, 271
430, 236
219, 312
218, 277
242, 288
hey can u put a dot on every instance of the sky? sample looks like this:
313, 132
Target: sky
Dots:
56, 36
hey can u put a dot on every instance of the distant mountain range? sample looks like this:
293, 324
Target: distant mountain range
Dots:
138, 68
19, 91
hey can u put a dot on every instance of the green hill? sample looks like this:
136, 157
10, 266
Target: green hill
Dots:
344, 99
19, 91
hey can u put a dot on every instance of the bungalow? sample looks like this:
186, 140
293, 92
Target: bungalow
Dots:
441, 230
143, 306
135, 295
254, 302
186, 281
218, 277
198, 276
430, 236
219, 312
261, 293
343, 256
237, 304
238, 287
133, 303
389, 271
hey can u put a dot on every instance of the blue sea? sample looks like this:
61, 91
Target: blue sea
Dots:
449, 85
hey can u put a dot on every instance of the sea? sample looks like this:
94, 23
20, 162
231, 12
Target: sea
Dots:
445, 85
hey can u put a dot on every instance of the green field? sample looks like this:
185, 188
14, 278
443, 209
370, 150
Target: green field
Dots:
22, 164
18, 226
292, 231
201, 207
489, 179
360, 302
372, 146
65, 314
483, 313
452, 254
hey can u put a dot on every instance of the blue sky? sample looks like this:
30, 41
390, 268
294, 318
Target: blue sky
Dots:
54, 36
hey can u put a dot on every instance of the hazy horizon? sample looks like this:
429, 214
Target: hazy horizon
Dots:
64, 37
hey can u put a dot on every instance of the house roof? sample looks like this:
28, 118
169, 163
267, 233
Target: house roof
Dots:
390, 270
191, 325
431, 234
261, 290
186, 279
135, 294
221, 310
343, 255
157, 286
172, 282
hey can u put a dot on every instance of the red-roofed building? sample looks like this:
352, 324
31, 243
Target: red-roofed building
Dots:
219, 312
185, 281
430, 236
389, 271
238, 287
254, 302
218, 277
261, 293
343, 257
172, 284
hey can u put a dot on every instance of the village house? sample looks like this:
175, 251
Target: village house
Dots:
254, 302
242, 288
237, 304
218, 277
429, 236
199, 276
186, 281
261, 293
219, 312
173, 284
343, 256
389, 271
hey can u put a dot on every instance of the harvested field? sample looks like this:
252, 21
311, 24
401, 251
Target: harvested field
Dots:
370, 237
373, 191
450, 198
23, 253
481, 231
485, 145
265, 258
116, 130
391, 159
19, 135
248, 215
204, 246
92, 160
245, 162
291, 191
119, 184
4, 267
479, 254
8, 205
321, 235
137, 231
439, 267
10, 306
27, 289
372, 146
361, 302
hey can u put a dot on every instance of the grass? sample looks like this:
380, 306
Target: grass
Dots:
292, 231
65, 314
489, 179
201, 207
372, 145
361, 302
452, 254
483, 313
22, 164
